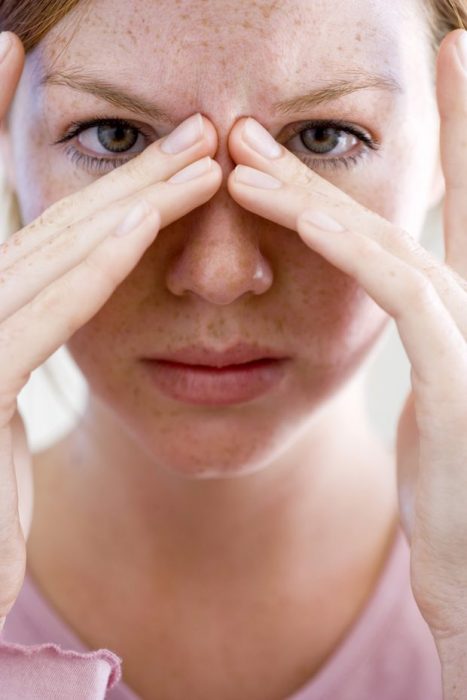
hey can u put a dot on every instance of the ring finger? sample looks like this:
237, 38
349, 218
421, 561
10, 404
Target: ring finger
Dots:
281, 188
191, 140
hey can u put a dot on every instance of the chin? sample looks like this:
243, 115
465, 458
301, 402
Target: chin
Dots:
218, 444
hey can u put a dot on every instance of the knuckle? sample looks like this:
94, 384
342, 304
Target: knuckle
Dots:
100, 274
417, 289
45, 303
301, 174
135, 171
58, 212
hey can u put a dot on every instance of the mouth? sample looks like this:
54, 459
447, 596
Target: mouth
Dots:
203, 376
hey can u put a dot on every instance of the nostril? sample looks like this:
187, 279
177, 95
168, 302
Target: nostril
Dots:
219, 277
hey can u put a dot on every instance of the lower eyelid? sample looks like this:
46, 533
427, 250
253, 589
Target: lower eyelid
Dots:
349, 161
92, 163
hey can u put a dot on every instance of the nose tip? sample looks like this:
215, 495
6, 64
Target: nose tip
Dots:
218, 274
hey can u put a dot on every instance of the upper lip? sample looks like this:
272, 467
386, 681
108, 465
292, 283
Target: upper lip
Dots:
233, 355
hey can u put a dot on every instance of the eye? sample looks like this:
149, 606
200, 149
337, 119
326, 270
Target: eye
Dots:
110, 138
103, 137
331, 143
324, 140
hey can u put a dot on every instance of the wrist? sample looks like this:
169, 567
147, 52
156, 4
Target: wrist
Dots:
452, 652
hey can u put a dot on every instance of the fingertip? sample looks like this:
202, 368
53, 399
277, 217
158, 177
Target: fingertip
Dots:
235, 136
11, 64
210, 133
217, 169
11, 47
451, 72
230, 182
449, 47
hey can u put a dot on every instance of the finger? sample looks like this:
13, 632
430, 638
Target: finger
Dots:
298, 187
26, 277
452, 103
11, 67
40, 327
151, 166
12, 542
432, 340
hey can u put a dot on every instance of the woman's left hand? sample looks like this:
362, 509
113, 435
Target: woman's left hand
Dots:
428, 301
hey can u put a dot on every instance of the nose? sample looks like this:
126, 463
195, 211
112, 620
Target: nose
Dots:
221, 259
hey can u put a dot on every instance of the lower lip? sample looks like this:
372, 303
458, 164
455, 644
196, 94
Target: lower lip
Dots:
211, 386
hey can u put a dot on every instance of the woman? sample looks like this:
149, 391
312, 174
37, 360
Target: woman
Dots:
222, 519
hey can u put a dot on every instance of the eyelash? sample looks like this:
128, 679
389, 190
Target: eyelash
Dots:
94, 164
369, 143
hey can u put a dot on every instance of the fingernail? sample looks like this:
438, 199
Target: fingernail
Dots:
200, 167
184, 136
261, 140
462, 49
256, 178
5, 44
133, 219
321, 220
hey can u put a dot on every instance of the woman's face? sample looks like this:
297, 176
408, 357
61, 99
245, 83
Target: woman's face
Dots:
226, 60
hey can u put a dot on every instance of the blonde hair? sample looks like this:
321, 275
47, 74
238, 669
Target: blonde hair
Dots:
444, 16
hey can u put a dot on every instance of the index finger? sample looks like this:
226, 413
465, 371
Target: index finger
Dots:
11, 67
452, 104
149, 167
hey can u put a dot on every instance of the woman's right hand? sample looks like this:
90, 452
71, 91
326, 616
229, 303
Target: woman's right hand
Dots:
59, 270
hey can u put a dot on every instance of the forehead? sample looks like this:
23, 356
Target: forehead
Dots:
223, 48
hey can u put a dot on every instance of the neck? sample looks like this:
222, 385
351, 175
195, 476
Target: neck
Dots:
317, 497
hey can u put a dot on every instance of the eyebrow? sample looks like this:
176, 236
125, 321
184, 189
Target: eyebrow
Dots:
108, 92
352, 81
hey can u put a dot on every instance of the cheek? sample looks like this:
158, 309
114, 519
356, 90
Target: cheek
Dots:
44, 173
40, 179
326, 312
402, 184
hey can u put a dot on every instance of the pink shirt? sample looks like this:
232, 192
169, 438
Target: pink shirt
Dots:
388, 654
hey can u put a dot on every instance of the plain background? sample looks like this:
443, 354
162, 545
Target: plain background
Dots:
386, 377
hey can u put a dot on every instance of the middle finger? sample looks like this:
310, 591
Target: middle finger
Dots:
194, 138
295, 187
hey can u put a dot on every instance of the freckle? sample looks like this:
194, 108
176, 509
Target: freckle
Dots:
279, 325
358, 37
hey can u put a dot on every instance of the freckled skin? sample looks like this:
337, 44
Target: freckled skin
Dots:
229, 59
213, 251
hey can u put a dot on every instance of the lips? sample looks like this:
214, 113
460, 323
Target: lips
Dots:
237, 354
203, 376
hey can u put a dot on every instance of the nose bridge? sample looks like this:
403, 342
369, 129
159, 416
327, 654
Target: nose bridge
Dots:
221, 259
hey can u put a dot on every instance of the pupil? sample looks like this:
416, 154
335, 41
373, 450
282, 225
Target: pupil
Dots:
320, 139
116, 137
